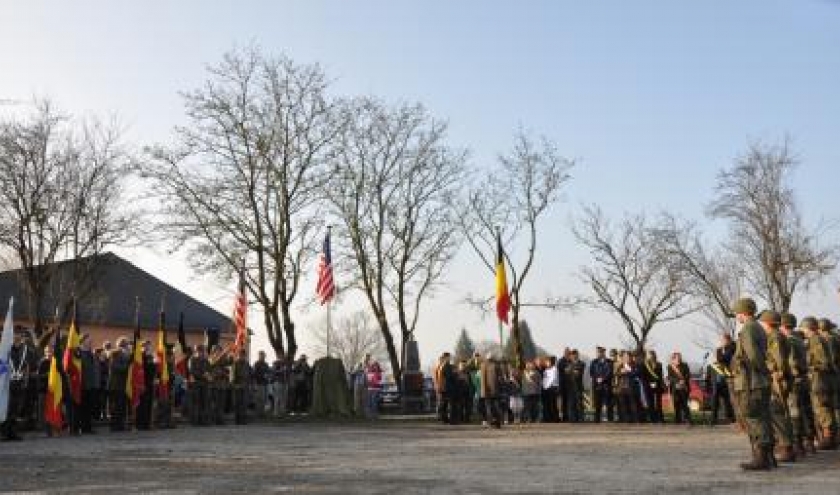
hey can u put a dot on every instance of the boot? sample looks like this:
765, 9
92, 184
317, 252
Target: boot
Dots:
785, 453
799, 448
826, 442
810, 446
759, 460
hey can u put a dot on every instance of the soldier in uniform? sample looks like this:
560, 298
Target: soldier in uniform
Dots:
117, 378
240, 381
199, 376
819, 368
752, 384
611, 405
778, 366
574, 372
798, 399
832, 345
679, 382
626, 376
219, 369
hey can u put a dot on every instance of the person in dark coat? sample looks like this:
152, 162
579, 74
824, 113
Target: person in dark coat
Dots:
491, 375
626, 377
717, 385
117, 378
143, 413
653, 380
90, 385
679, 381
601, 373
445, 383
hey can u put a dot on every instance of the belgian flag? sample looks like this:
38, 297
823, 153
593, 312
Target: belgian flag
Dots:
162, 364
136, 382
54, 398
502, 294
73, 359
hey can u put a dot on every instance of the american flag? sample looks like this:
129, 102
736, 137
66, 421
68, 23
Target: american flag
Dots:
326, 285
240, 311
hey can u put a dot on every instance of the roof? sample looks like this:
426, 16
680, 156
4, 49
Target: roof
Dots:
111, 302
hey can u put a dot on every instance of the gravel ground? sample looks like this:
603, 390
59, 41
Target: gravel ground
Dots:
404, 457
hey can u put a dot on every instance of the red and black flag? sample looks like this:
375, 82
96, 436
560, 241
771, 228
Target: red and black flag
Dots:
136, 382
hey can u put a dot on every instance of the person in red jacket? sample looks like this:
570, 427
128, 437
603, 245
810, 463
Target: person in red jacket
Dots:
374, 387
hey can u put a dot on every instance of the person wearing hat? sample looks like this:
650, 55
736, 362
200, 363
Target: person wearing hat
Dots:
752, 384
778, 356
718, 377
120, 360
491, 375
819, 368
832, 344
653, 380
198, 393
600, 371
798, 401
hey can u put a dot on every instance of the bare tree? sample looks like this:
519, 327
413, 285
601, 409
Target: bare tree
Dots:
245, 175
716, 276
513, 198
62, 181
394, 189
351, 338
632, 275
778, 252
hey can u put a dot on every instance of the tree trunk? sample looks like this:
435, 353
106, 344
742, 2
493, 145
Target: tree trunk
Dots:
272, 325
392, 350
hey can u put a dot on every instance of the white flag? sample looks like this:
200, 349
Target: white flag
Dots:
5, 367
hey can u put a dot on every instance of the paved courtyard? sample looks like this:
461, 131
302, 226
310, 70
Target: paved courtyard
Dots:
404, 457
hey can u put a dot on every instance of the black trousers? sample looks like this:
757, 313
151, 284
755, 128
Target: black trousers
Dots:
493, 411
84, 411
444, 401
531, 408
721, 396
119, 406
602, 399
682, 413
628, 409
655, 414
549, 403
143, 413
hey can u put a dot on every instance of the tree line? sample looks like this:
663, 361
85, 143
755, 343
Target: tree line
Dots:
269, 157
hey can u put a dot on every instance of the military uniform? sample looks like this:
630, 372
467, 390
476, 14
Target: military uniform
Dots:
574, 389
833, 344
219, 385
199, 373
822, 370
18, 369
752, 384
240, 381
799, 401
778, 367
718, 377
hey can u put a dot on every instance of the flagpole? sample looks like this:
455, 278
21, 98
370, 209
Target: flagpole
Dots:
329, 327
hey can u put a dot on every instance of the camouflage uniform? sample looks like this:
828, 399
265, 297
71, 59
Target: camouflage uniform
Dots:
778, 366
821, 370
199, 374
832, 343
799, 400
752, 384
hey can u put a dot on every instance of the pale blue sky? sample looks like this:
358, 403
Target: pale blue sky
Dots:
651, 97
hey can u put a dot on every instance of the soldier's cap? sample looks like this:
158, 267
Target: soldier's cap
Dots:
771, 317
744, 305
788, 320
613, 352
825, 324
599, 349
809, 322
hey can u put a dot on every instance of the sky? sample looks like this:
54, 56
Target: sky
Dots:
651, 98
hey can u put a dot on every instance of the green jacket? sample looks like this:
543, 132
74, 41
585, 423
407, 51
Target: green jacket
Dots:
749, 366
797, 360
819, 364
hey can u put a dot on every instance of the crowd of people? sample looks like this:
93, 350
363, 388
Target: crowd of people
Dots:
202, 386
779, 381
625, 387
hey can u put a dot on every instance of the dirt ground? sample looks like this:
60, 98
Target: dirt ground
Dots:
394, 456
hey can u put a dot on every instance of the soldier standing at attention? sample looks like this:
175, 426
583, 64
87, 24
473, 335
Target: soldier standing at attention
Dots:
117, 378
240, 381
600, 371
219, 364
752, 384
654, 381
679, 381
819, 367
574, 386
778, 359
798, 399
199, 376
832, 345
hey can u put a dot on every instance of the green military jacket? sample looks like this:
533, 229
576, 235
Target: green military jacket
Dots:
819, 364
240, 373
778, 356
198, 369
749, 365
797, 360
832, 345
